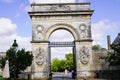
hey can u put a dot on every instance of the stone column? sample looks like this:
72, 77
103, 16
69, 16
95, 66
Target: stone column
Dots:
84, 59
40, 67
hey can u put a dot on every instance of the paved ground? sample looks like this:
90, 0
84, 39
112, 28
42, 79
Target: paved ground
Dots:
68, 77
62, 77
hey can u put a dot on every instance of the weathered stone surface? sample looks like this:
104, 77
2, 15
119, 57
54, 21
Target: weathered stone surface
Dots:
99, 64
61, 7
75, 18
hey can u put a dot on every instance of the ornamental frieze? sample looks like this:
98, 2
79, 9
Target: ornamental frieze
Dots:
60, 8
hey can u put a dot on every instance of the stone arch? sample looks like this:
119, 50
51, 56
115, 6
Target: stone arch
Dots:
67, 27
56, 19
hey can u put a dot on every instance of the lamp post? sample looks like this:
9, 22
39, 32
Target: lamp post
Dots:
14, 46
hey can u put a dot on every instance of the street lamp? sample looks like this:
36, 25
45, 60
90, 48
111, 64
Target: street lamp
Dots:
14, 46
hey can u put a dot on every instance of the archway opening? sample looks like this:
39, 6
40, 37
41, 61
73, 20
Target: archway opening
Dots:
62, 53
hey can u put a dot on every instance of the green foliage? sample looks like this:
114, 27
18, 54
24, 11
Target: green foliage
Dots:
97, 47
69, 62
19, 60
114, 57
69, 56
55, 64
2, 62
60, 65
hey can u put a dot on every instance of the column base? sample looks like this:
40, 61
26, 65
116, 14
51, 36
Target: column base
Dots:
40, 76
85, 75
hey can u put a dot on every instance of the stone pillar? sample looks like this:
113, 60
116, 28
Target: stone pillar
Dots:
40, 67
84, 59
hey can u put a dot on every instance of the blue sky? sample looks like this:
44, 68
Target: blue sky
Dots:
15, 22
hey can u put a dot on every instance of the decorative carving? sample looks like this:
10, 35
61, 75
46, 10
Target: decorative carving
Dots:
39, 56
39, 32
60, 8
84, 55
83, 31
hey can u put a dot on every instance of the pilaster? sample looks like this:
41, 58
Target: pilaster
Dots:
40, 67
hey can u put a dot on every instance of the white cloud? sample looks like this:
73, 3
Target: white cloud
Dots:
24, 42
7, 27
8, 34
60, 52
101, 29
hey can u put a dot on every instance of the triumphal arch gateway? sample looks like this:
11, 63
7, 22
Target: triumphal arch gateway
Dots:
73, 17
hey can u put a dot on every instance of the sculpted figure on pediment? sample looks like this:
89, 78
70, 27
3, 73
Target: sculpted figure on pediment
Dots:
84, 55
39, 57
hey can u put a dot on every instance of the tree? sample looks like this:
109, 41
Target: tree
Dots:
97, 47
2, 62
114, 57
61, 65
69, 62
55, 65
19, 60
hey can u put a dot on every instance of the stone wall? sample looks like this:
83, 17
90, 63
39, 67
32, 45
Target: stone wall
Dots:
101, 68
99, 63
111, 73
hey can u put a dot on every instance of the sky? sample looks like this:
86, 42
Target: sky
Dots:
15, 22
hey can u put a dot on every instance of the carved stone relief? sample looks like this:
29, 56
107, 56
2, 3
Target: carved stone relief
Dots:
60, 8
39, 57
39, 32
83, 31
84, 55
